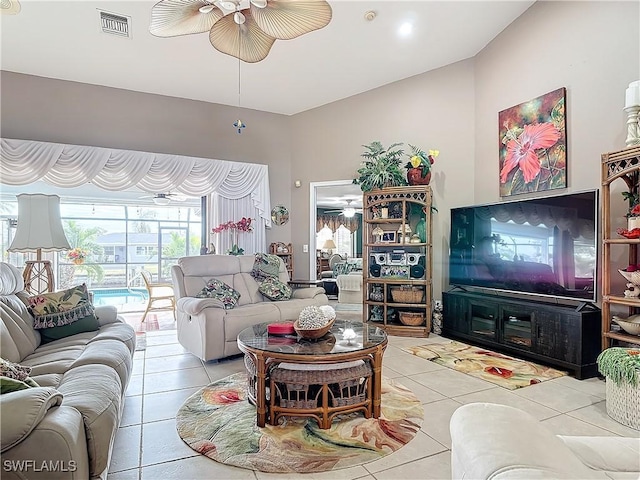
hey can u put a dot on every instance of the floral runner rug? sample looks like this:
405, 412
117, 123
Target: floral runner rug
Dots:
220, 423
505, 371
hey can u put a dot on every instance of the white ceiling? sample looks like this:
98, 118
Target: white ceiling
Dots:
62, 39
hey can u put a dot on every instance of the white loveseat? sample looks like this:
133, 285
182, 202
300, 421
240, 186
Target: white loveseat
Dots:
490, 441
209, 331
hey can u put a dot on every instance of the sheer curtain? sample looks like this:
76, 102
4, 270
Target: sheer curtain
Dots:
234, 189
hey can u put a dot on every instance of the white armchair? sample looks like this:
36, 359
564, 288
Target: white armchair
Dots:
350, 288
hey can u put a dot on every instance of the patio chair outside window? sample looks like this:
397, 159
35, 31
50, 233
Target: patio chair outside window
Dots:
161, 295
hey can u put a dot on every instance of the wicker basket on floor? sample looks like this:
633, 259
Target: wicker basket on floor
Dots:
407, 294
412, 319
623, 403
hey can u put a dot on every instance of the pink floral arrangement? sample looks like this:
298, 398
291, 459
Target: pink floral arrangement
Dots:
242, 225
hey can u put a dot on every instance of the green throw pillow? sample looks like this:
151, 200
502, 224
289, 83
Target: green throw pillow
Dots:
8, 385
265, 266
274, 289
87, 324
221, 291
64, 313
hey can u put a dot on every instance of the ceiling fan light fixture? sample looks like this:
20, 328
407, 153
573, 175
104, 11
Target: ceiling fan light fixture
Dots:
263, 21
228, 5
161, 200
206, 8
349, 212
239, 18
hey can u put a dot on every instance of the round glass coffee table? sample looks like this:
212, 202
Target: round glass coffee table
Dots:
347, 344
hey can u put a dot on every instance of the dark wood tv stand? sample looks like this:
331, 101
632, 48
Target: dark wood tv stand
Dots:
563, 336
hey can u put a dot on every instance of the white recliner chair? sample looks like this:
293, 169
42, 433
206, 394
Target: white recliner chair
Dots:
501, 442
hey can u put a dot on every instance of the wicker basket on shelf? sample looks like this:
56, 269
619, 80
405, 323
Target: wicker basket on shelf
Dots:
412, 319
407, 294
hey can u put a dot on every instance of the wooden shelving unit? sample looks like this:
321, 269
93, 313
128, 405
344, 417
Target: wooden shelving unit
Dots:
285, 252
403, 207
621, 165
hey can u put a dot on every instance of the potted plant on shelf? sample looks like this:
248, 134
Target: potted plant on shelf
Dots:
419, 165
381, 167
633, 214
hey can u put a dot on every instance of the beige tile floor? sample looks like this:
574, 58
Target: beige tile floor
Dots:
147, 446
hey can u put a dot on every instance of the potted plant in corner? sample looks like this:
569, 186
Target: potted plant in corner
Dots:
621, 366
381, 167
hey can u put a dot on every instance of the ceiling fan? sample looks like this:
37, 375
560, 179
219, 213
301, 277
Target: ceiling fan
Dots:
347, 211
166, 198
245, 29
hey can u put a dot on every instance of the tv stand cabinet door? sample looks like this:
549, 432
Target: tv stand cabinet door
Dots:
456, 309
557, 336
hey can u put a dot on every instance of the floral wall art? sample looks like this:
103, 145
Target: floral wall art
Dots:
533, 145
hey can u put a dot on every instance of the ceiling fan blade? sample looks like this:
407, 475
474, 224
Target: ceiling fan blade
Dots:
254, 43
10, 7
170, 18
287, 19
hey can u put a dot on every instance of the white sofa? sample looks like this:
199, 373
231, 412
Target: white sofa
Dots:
209, 331
69, 422
490, 441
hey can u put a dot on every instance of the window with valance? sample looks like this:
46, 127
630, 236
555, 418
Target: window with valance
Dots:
241, 188
333, 222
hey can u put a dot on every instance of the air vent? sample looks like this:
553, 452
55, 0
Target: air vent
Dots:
115, 24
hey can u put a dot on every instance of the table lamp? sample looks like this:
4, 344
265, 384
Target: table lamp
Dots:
329, 245
39, 229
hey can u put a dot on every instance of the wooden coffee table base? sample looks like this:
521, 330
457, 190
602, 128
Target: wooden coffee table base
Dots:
320, 393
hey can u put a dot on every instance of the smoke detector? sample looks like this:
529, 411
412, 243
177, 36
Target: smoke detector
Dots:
370, 16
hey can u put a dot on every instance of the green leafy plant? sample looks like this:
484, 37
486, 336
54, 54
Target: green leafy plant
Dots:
418, 158
634, 203
620, 365
381, 167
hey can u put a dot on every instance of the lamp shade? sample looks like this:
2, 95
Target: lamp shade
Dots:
329, 244
39, 224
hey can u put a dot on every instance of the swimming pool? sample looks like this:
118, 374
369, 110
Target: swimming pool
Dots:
119, 296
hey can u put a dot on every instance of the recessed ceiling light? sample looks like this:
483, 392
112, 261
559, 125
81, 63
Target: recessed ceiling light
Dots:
405, 29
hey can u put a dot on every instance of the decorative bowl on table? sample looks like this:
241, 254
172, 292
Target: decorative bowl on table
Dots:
315, 322
630, 325
313, 333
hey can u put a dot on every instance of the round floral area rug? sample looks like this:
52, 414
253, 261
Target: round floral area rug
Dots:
220, 423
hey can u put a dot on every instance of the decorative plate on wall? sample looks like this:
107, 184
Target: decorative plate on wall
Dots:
279, 215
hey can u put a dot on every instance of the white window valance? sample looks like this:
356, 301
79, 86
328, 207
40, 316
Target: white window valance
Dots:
62, 165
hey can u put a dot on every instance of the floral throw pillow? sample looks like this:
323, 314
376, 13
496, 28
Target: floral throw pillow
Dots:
265, 265
61, 308
274, 289
221, 291
13, 370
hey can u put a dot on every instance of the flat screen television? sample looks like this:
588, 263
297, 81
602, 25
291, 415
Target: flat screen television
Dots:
543, 246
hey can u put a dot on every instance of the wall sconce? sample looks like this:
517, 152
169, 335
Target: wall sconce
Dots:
297, 183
